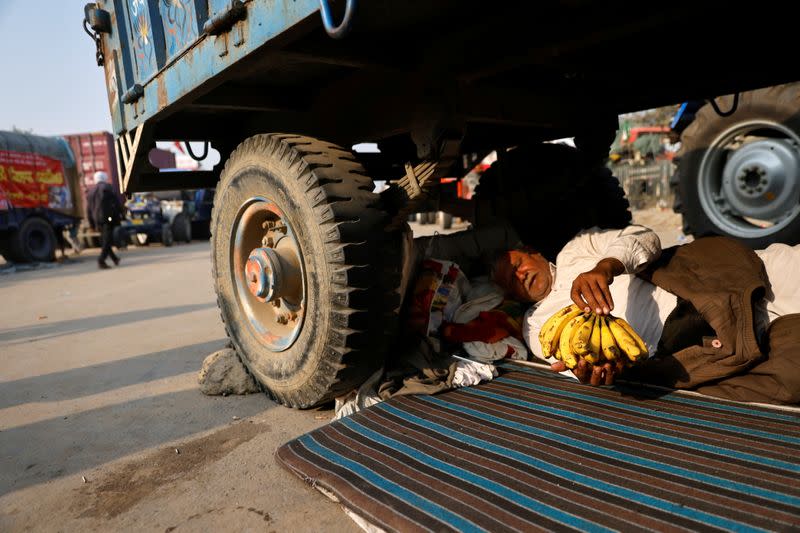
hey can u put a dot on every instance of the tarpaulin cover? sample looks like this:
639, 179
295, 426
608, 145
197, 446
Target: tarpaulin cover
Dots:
36, 172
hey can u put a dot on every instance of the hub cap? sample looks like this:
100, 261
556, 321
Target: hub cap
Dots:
749, 182
268, 273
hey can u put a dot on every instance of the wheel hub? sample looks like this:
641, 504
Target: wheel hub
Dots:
760, 180
263, 274
268, 273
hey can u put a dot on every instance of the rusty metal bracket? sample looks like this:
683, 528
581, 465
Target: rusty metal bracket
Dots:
133, 94
95, 22
224, 20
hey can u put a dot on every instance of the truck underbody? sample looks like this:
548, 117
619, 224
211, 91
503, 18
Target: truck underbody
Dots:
411, 73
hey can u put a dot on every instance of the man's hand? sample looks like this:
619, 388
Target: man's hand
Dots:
591, 374
590, 290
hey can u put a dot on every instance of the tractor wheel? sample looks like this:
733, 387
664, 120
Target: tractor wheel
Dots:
34, 241
182, 228
167, 239
740, 175
548, 193
297, 237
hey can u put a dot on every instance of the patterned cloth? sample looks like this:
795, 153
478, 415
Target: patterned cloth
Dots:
531, 451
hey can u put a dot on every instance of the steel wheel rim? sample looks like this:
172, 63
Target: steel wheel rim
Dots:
268, 273
715, 193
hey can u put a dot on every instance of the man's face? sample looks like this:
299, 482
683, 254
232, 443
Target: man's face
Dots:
525, 275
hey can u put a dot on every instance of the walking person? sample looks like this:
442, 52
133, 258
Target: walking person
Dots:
105, 212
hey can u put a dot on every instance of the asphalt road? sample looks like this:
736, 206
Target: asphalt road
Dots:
98, 381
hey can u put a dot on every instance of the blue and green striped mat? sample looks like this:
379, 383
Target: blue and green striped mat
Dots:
532, 451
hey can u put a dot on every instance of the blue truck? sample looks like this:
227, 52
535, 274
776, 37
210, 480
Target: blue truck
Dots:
306, 257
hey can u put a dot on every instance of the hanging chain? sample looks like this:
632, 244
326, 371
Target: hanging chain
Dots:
101, 59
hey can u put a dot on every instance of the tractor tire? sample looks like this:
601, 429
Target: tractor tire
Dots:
306, 209
167, 239
548, 193
740, 175
34, 242
182, 228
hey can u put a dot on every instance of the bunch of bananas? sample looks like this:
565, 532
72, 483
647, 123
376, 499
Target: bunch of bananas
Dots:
570, 333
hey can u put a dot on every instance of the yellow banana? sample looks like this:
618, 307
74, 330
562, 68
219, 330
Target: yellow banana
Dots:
595, 344
607, 342
551, 330
567, 354
639, 341
626, 343
593, 358
580, 336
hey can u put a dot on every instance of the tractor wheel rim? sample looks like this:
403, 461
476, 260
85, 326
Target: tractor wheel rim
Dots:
268, 273
749, 179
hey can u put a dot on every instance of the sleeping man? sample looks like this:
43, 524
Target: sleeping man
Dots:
716, 316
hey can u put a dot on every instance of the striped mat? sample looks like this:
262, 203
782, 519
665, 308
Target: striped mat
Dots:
532, 451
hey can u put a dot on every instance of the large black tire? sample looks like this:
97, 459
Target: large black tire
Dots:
548, 193
182, 228
34, 242
167, 239
338, 225
766, 114
120, 237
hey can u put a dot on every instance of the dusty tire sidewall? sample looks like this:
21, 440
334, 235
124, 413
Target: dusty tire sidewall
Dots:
31, 225
266, 176
706, 128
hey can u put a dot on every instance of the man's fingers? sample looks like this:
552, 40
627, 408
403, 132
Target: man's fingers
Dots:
583, 371
609, 374
577, 298
558, 366
600, 305
597, 376
607, 295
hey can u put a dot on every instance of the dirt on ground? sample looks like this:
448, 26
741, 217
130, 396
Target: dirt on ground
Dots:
98, 382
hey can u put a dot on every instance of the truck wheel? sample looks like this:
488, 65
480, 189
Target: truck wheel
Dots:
34, 241
740, 175
296, 239
182, 228
120, 237
548, 193
167, 239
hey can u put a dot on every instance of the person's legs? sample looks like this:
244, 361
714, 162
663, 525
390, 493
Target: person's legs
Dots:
106, 237
775, 380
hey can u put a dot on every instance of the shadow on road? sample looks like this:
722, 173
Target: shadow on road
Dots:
78, 325
72, 445
104, 377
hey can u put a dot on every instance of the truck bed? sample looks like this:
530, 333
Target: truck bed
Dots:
501, 70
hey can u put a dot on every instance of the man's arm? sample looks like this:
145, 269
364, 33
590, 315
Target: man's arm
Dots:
623, 252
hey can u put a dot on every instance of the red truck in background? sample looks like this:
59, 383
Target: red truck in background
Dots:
44, 182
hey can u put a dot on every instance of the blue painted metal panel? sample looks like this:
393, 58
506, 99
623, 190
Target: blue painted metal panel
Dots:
181, 25
191, 65
143, 43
